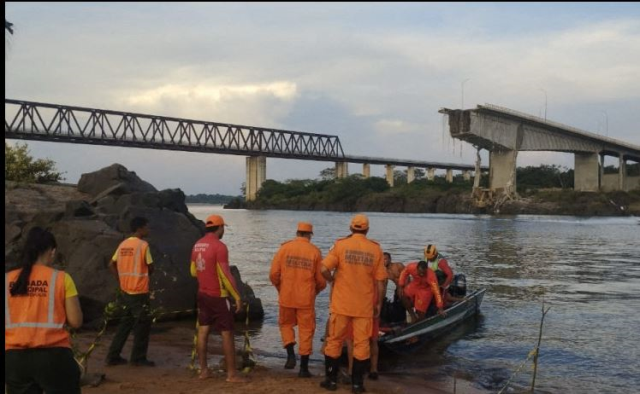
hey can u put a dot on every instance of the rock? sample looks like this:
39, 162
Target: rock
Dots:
95, 183
79, 209
256, 311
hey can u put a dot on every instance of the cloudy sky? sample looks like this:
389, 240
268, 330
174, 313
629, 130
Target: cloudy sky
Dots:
373, 74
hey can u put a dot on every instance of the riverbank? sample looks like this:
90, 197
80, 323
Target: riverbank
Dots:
170, 347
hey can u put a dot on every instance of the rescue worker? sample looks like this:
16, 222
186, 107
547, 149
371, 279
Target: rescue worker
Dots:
420, 291
359, 279
440, 266
132, 264
39, 300
210, 264
295, 273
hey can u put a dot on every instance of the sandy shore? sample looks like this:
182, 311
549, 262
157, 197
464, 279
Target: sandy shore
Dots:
171, 346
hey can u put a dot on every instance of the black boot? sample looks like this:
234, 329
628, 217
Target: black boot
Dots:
331, 367
304, 367
291, 357
357, 378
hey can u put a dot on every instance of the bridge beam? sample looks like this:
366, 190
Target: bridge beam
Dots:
390, 174
431, 174
342, 169
586, 172
366, 170
449, 176
256, 175
502, 168
411, 174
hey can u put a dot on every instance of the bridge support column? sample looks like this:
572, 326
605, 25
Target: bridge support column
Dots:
256, 175
366, 170
411, 174
390, 174
342, 169
431, 174
502, 171
449, 176
466, 175
622, 173
586, 172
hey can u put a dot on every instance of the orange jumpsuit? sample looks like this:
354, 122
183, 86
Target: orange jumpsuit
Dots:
422, 288
358, 262
295, 272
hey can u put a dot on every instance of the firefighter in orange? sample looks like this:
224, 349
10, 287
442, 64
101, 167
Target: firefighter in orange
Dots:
359, 277
440, 266
295, 272
420, 291
39, 300
132, 265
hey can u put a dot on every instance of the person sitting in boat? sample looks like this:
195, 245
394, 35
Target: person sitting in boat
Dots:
393, 272
419, 293
440, 267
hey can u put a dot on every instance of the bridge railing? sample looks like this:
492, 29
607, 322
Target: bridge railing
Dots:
51, 122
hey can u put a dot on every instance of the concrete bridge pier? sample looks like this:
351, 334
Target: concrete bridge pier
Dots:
256, 175
366, 170
466, 175
586, 172
502, 168
411, 174
389, 168
431, 174
449, 176
342, 169
622, 173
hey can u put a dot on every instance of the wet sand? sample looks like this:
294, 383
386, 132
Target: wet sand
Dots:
170, 348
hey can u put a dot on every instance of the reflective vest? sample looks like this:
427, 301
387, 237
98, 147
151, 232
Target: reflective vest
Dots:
36, 319
435, 264
132, 267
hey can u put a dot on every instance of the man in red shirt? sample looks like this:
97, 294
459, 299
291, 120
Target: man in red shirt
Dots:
419, 292
210, 264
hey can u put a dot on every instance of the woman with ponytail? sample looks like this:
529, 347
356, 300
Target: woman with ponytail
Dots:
39, 300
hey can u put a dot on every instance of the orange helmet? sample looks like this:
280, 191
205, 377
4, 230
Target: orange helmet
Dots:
430, 252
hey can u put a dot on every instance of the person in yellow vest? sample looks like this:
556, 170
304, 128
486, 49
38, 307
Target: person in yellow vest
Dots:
132, 265
39, 300
295, 273
359, 274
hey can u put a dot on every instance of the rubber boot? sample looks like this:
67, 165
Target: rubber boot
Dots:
291, 357
357, 378
304, 367
331, 368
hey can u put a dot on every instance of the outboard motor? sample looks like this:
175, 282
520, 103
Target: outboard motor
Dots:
458, 287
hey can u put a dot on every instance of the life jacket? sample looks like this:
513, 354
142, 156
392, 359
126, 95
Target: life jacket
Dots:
36, 320
132, 267
435, 264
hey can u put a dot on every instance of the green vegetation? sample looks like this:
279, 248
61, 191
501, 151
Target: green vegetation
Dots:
543, 177
209, 199
19, 166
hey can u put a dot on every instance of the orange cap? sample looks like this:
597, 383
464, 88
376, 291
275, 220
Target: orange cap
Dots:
214, 221
360, 222
305, 227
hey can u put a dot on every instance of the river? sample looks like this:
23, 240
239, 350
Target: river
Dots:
586, 270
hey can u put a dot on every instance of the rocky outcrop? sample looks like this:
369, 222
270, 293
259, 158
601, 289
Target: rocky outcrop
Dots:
89, 222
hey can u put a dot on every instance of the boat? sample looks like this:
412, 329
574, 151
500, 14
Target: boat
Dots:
408, 338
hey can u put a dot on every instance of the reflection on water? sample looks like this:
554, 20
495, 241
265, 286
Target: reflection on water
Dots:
588, 270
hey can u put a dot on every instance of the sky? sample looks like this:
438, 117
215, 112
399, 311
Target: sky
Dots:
374, 74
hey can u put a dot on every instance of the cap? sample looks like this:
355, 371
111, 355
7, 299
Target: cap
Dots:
360, 222
305, 227
214, 221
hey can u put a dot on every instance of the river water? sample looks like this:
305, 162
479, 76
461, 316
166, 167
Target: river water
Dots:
586, 270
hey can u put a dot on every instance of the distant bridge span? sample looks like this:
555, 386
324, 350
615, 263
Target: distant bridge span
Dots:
80, 125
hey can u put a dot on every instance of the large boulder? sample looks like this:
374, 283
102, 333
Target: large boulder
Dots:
89, 226
115, 177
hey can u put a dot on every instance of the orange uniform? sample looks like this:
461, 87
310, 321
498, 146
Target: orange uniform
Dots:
358, 262
36, 320
295, 272
133, 257
422, 288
